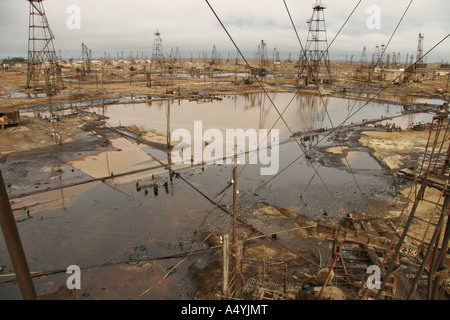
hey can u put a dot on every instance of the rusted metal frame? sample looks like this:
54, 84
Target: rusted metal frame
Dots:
440, 263
432, 267
426, 149
335, 254
433, 245
433, 147
447, 159
442, 144
347, 235
402, 239
373, 256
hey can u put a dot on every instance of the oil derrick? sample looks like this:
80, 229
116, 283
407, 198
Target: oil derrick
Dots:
424, 256
262, 55
174, 57
86, 58
214, 58
382, 60
276, 57
363, 61
43, 71
375, 56
157, 54
316, 49
420, 65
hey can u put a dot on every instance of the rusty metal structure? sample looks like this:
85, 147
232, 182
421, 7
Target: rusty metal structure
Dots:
86, 56
414, 262
420, 64
157, 54
43, 71
316, 50
429, 257
262, 55
412, 255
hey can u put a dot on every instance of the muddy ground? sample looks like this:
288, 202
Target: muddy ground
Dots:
38, 155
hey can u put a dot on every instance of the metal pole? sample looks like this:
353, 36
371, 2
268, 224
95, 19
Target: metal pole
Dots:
12, 240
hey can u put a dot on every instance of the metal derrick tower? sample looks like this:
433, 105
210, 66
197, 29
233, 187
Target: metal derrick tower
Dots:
262, 55
420, 64
157, 54
43, 71
316, 49
214, 58
86, 58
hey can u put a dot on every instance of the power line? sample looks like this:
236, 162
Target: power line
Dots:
318, 88
271, 101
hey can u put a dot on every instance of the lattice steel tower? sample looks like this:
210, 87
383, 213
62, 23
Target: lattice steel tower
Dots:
43, 71
262, 55
157, 55
316, 49
420, 64
85, 53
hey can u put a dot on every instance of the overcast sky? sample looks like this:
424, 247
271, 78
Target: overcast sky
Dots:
114, 26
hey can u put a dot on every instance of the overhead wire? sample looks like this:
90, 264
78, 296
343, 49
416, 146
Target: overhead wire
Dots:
273, 104
318, 88
331, 131
379, 59
280, 116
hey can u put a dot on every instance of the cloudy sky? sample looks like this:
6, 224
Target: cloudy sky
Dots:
114, 26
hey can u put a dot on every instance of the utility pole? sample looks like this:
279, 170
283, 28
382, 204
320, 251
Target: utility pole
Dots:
15, 249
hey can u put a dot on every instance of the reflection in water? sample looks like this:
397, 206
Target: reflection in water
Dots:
311, 111
255, 111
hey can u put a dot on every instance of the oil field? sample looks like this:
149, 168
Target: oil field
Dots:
244, 174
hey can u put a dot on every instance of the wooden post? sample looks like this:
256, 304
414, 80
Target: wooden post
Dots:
263, 269
285, 277
168, 123
14, 245
226, 262
234, 201
237, 255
